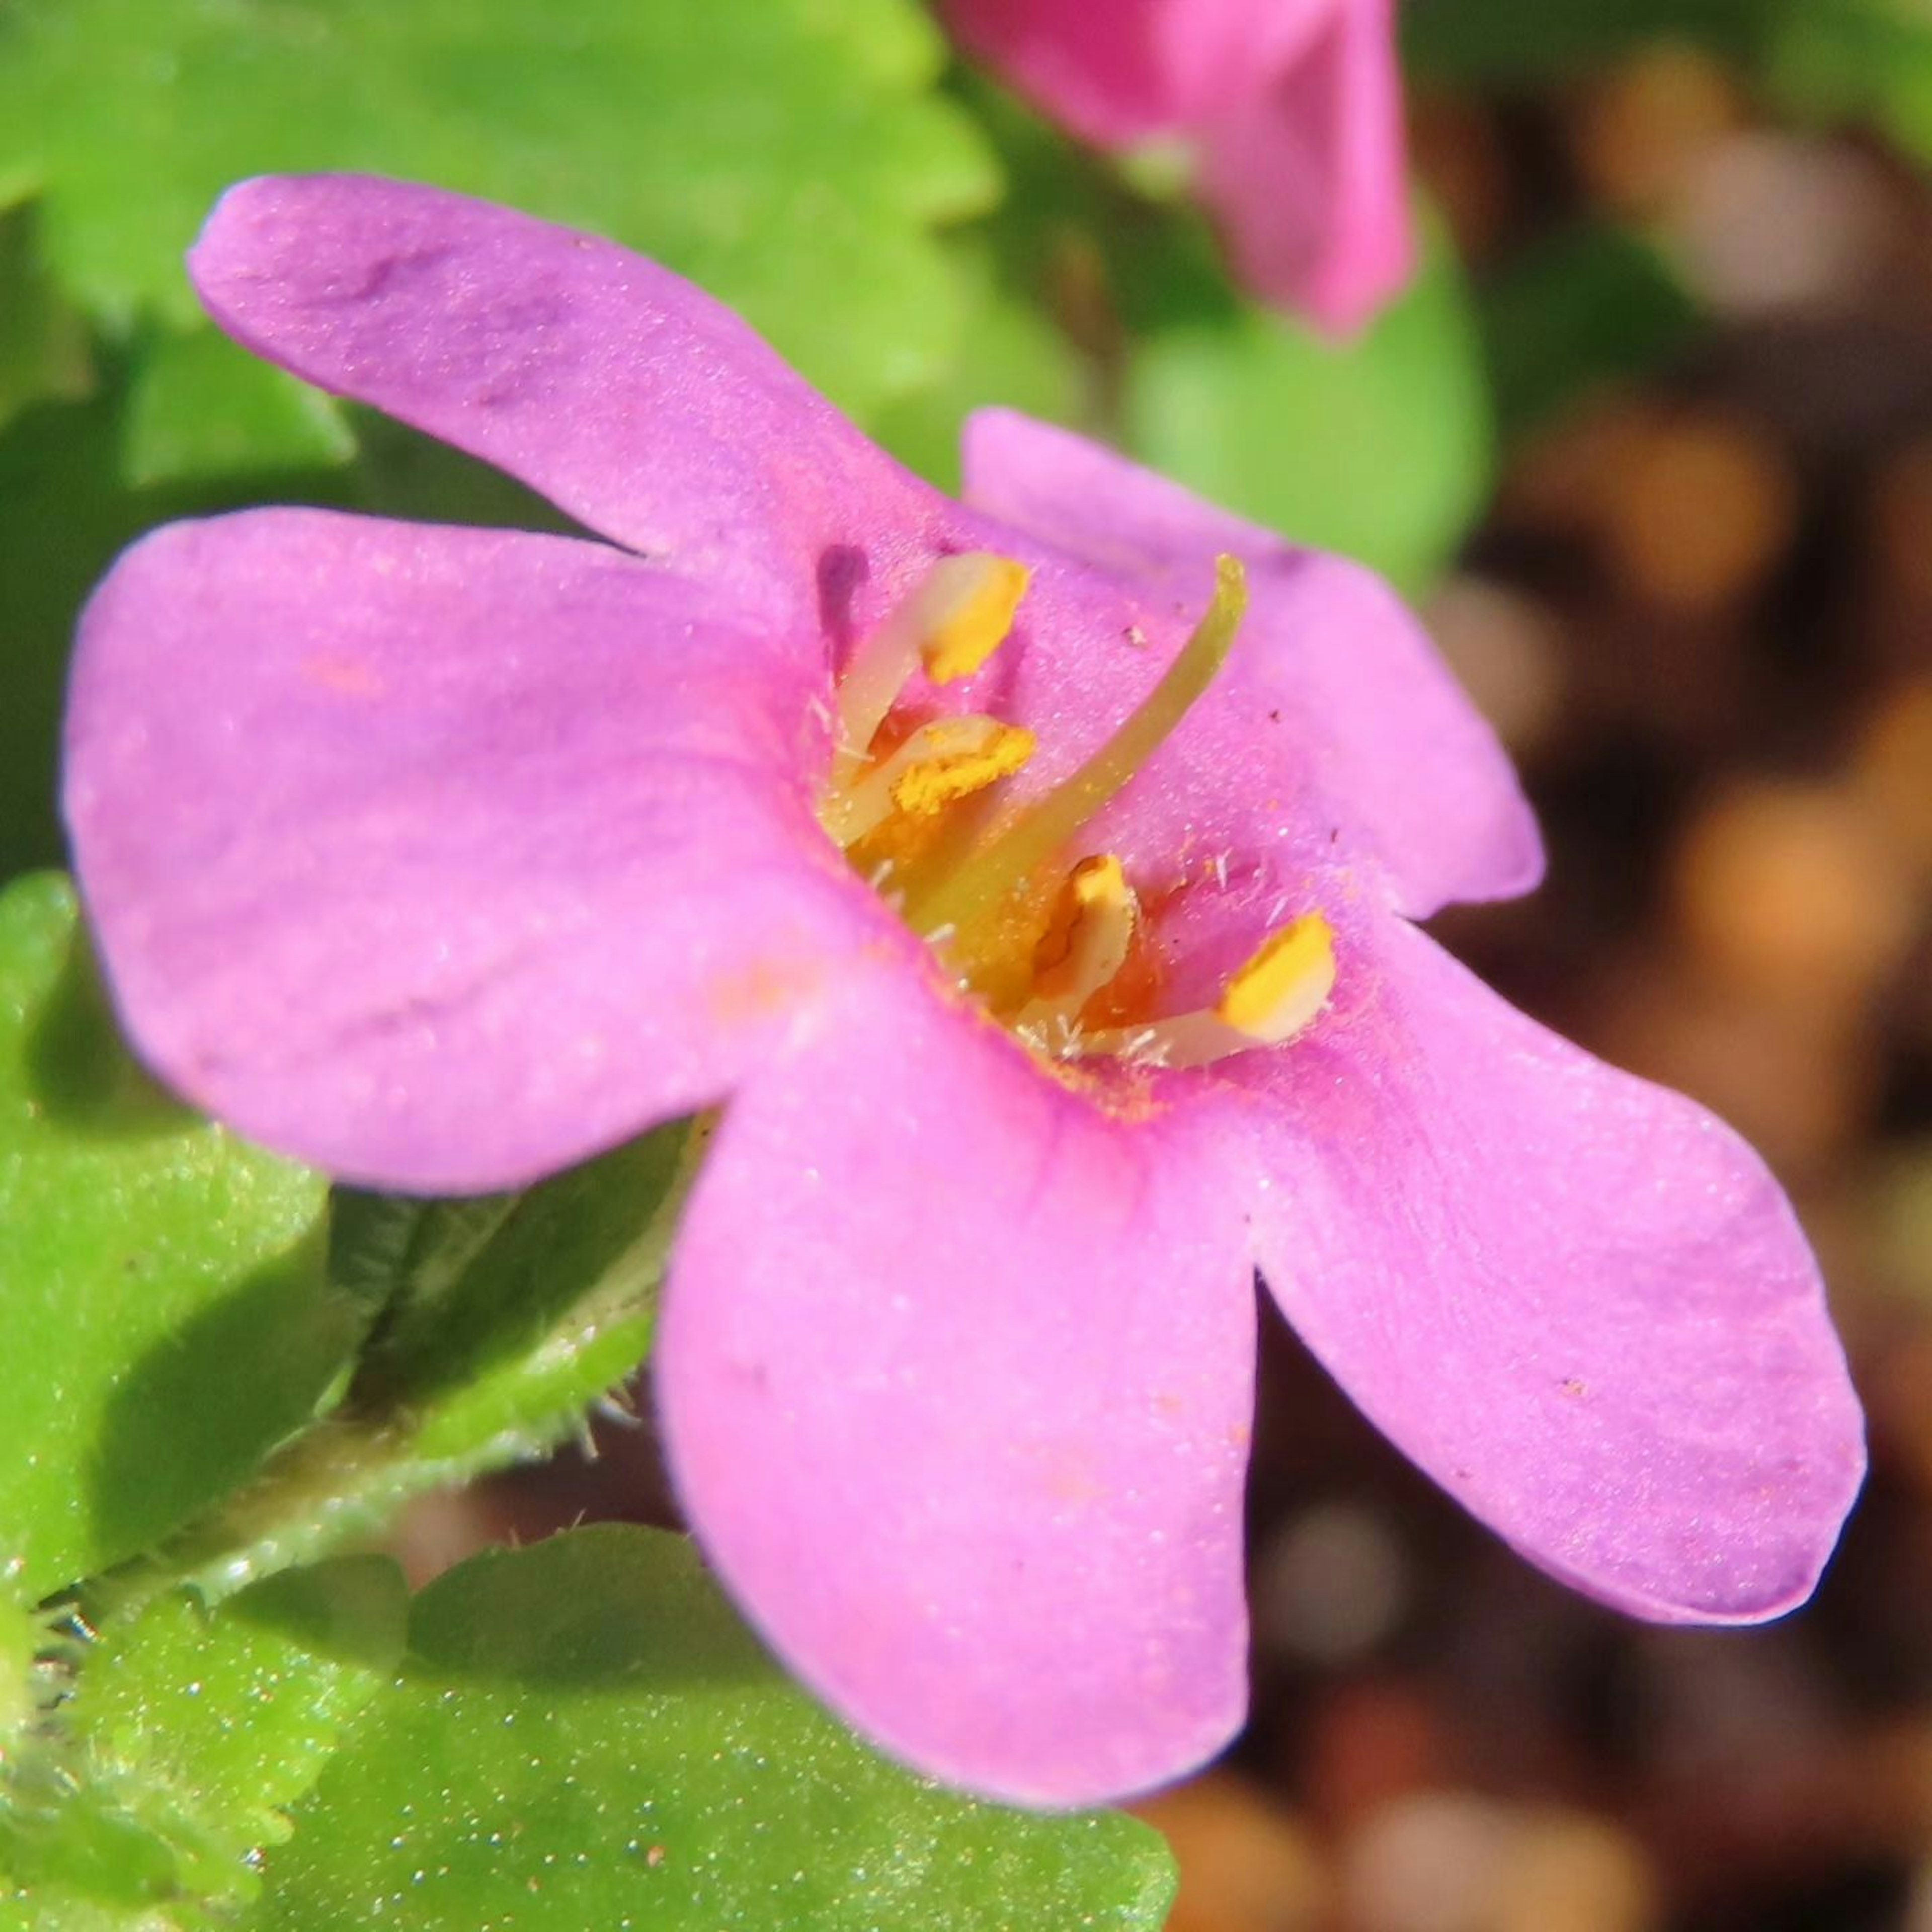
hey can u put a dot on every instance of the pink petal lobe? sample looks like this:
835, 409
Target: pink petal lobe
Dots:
1577, 1300
442, 858
1334, 721
1309, 175
628, 397
955, 1372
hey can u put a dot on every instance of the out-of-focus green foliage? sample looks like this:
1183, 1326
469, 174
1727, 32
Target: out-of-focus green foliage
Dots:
1589, 304
1857, 60
197, 408
1830, 59
43, 339
1486, 43
789, 155
1379, 447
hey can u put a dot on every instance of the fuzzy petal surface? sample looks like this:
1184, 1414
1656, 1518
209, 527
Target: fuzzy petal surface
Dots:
956, 1370
1577, 1300
1334, 722
1309, 175
443, 858
628, 397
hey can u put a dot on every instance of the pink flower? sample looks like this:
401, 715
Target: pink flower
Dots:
1294, 108
443, 858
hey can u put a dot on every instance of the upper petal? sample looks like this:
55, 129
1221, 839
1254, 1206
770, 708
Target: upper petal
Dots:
1308, 177
1577, 1300
633, 400
1334, 717
955, 1372
442, 858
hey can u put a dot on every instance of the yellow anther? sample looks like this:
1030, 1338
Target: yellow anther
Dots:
1087, 939
949, 774
948, 759
1086, 942
972, 602
955, 619
1285, 984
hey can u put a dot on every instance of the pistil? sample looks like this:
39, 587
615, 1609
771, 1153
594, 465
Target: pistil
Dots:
977, 892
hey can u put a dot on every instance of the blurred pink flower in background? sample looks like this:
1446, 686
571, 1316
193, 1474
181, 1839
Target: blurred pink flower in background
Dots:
1293, 107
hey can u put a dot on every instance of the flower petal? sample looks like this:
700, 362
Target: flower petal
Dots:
1575, 1300
442, 858
1309, 175
1133, 69
626, 396
1333, 694
956, 1372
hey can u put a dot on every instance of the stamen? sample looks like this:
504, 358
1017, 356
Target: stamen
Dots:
976, 889
958, 616
941, 762
985, 597
1282, 986
1085, 944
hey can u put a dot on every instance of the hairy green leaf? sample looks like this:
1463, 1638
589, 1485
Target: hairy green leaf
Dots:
165, 1773
166, 1313
584, 1735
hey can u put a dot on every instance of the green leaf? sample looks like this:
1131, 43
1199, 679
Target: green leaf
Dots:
1020, 359
43, 342
1869, 60
21, 1634
584, 1735
167, 1770
201, 405
167, 1314
1380, 448
1493, 43
789, 155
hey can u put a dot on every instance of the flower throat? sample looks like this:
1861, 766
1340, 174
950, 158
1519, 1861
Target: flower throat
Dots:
1050, 938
